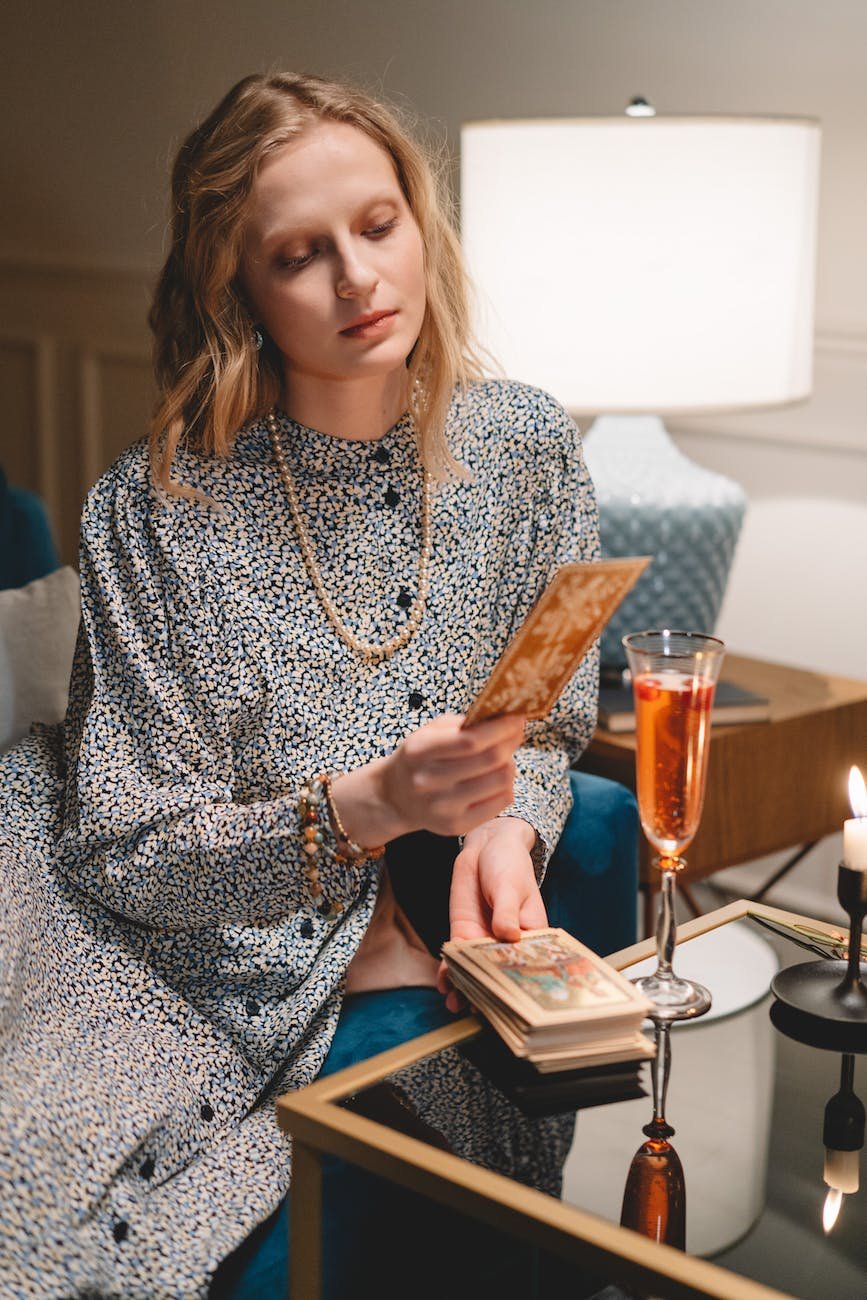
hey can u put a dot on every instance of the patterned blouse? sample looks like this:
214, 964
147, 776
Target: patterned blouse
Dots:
192, 976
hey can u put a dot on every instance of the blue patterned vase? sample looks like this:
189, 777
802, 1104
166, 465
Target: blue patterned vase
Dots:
654, 501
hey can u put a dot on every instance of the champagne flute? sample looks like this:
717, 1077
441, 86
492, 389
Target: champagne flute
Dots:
674, 675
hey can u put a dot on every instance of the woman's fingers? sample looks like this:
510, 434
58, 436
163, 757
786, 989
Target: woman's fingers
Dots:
455, 1001
506, 911
432, 772
493, 892
445, 741
447, 779
458, 819
468, 910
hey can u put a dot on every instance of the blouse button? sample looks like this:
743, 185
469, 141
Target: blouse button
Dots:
120, 1230
404, 599
252, 1007
392, 497
382, 455
146, 1169
306, 928
415, 700
206, 1111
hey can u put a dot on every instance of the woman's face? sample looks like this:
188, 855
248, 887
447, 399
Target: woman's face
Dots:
333, 263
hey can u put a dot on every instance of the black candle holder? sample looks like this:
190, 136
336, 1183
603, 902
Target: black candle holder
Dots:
843, 1128
832, 990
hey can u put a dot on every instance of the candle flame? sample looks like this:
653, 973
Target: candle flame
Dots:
831, 1208
857, 792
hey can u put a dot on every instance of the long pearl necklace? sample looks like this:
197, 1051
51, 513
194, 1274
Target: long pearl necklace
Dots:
367, 649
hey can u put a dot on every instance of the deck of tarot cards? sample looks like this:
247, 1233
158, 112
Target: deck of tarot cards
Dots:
552, 1000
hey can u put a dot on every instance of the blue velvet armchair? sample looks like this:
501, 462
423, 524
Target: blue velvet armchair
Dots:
591, 887
27, 549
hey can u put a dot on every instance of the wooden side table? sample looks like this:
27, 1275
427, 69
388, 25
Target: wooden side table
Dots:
770, 785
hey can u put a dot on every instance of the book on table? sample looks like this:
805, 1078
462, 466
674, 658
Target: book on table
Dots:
557, 1091
732, 704
552, 1000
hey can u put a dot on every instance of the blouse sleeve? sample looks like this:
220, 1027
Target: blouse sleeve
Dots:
565, 527
151, 825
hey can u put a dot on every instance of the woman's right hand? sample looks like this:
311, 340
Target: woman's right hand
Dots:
447, 780
441, 778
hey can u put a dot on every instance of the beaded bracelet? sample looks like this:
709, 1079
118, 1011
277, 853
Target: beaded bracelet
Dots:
347, 849
311, 828
310, 810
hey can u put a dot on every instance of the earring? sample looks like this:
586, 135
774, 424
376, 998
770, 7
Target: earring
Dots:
258, 338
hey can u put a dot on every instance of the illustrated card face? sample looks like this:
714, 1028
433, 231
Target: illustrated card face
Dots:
551, 972
553, 639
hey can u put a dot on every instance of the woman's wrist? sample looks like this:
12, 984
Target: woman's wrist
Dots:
365, 811
505, 824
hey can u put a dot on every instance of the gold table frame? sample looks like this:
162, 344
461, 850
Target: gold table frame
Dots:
320, 1126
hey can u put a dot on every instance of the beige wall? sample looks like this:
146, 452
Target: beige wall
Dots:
99, 94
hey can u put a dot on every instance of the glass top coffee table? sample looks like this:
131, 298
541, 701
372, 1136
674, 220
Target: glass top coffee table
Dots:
746, 1098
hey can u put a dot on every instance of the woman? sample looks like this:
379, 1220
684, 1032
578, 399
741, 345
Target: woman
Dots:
289, 597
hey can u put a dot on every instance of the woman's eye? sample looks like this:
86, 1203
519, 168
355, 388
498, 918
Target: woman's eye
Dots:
382, 229
295, 263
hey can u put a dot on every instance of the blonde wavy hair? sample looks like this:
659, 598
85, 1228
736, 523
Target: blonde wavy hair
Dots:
211, 378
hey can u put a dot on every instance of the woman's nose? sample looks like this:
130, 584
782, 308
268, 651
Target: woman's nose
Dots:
355, 276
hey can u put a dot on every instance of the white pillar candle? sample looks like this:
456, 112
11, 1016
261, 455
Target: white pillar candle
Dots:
855, 828
855, 843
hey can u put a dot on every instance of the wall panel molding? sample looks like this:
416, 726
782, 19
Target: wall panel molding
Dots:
76, 352
47, 428
28, 442
99, 366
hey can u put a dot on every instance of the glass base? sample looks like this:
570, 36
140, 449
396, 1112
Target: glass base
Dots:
673, 998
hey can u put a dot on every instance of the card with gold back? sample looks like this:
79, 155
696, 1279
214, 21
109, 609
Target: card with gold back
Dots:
554, 637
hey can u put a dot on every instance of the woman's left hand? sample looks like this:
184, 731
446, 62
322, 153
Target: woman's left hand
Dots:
494, 892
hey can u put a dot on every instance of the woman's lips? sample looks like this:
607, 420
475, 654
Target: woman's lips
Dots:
369, 326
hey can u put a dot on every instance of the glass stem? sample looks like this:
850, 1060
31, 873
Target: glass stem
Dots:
665, 925
661, 1069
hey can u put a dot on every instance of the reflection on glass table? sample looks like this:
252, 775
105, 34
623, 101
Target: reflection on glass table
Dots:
721, 1099
654, 1198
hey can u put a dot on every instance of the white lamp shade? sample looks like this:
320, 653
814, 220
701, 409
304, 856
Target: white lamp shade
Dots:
645, 264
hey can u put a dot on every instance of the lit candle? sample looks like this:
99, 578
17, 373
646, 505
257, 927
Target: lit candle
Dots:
855, 828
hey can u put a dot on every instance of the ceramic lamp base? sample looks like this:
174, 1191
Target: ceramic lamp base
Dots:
654, 501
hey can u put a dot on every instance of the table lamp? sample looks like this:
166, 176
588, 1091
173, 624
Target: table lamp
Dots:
639, 266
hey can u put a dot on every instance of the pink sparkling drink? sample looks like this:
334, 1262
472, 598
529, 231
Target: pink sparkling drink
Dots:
673, 711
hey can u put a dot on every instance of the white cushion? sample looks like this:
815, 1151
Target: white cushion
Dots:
38, 627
